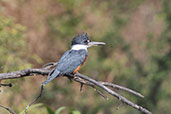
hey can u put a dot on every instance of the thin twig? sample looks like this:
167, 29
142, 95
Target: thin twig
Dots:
40, 94
8, 109
9, 85
101, 93
41, 91
81, 86
122, 88
83, 82
111, 85
50, 65
123, 99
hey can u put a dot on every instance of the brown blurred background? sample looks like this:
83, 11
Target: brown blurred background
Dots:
137, 54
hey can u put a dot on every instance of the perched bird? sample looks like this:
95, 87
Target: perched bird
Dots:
72, 60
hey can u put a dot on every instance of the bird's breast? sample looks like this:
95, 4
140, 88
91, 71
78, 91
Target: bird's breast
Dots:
78, 68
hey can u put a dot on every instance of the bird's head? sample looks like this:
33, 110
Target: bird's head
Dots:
83, 42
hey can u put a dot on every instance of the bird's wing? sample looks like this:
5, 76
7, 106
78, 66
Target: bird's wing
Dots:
71, 60
67, 64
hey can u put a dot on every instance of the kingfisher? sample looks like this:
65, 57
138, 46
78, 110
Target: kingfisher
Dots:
73, 59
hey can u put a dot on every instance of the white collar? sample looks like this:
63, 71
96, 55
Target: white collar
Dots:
79, 46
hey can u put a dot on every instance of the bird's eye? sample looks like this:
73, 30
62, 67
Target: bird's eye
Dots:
85, 41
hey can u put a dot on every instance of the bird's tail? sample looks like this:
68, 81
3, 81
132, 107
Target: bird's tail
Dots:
52, 75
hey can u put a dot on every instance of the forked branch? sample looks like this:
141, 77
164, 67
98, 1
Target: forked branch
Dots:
83, 80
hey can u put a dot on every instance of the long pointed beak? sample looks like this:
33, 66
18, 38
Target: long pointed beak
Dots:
95, 43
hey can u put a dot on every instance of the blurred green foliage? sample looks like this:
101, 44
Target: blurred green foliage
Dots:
141, 63
13, 52
12, 45
35, 108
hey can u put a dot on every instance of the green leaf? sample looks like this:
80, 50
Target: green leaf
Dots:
49, 110
32, 106
59, 110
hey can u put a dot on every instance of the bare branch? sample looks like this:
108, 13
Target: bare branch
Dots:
81, 79
123, 99
23, 73
110, 85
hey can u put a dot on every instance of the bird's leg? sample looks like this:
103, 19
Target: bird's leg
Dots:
70, 79
69, 76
